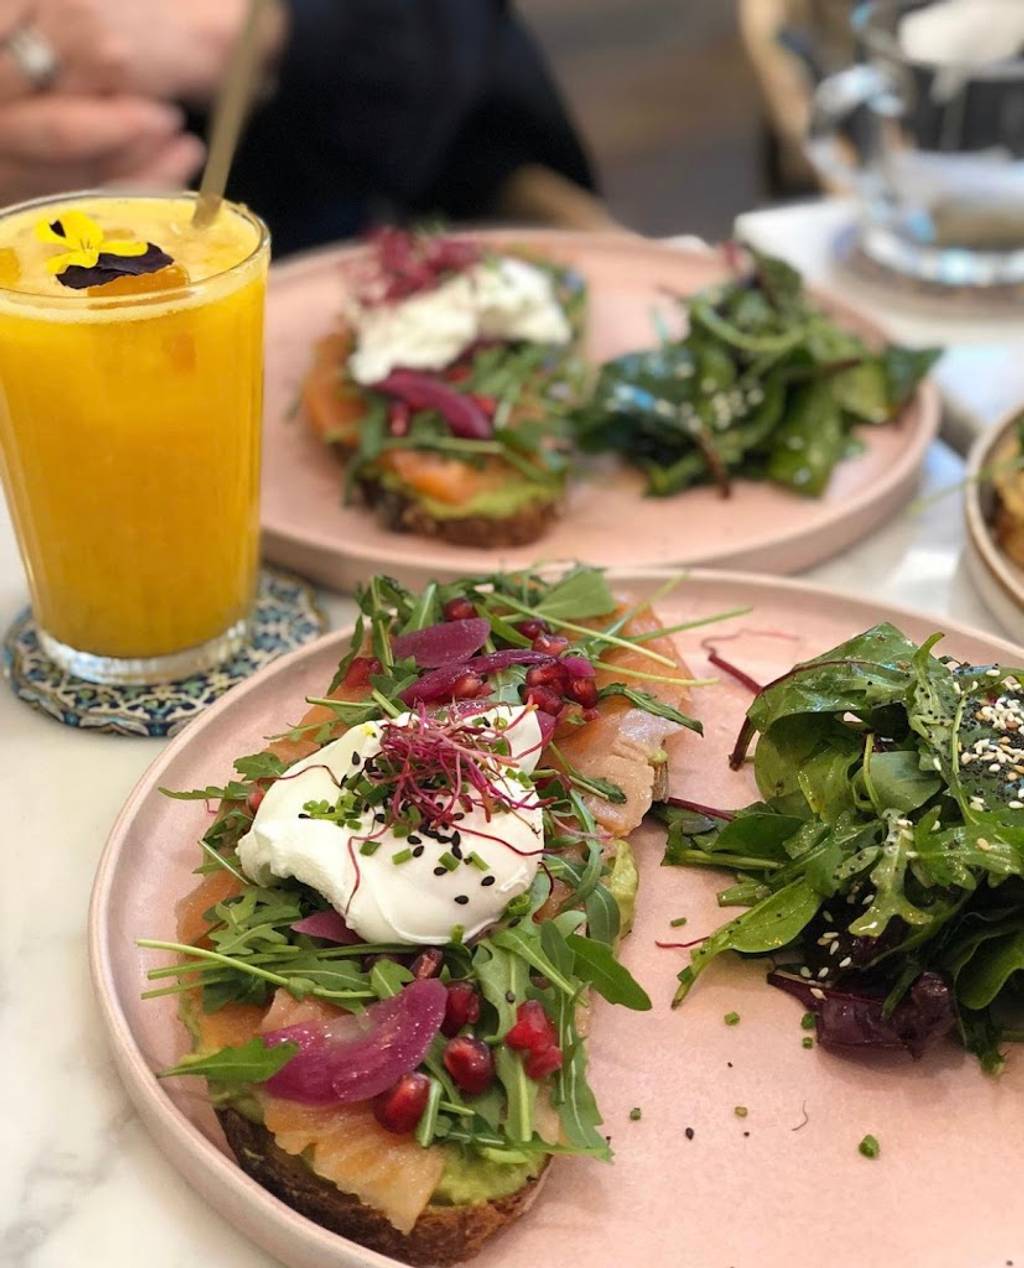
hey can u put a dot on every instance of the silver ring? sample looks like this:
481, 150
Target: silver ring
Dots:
34, 56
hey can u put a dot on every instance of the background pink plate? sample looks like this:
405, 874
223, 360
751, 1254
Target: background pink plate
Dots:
606, 520
782, 1188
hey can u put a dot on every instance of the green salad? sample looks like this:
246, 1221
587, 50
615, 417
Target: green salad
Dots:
883, 867
764, 386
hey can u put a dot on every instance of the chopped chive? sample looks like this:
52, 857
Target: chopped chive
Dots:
457, 934
477, 861
448, 861
635, 1114
402, 856
731, 1019
740, 1111
808, 1042
369, 847
807, 1021
869, 1147
677, 923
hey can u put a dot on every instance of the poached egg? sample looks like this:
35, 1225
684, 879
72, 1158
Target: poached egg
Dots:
499, 298
416, 901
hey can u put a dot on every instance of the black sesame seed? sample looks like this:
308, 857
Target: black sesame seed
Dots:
355, 759
689, 1133
458, 815
303, 816
462, 899
456, 849
440, 871
456, 837
413, 840
487, 880
510, 997
417, 852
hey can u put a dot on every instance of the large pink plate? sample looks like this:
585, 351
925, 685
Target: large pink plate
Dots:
782, 1188
607, 520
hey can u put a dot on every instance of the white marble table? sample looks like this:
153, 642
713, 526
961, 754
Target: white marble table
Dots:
81, 1184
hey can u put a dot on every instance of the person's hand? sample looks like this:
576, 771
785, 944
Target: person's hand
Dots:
165, 49
50, 143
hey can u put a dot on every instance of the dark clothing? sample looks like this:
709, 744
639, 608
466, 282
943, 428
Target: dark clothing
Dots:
402, 107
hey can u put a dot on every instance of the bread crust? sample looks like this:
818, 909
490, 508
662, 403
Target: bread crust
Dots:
442, 1235
404, 514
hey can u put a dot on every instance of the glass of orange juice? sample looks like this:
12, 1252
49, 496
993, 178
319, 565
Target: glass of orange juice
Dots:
130, 414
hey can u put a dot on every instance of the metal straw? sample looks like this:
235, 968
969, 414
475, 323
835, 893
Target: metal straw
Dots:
232, 107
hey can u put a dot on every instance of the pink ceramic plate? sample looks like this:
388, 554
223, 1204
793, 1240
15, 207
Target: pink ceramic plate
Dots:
607, 520
782, 1188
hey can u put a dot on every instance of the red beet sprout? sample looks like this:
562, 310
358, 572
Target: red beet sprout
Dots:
711, 812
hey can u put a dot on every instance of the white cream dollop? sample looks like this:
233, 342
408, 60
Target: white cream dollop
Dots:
498, 298
383, 901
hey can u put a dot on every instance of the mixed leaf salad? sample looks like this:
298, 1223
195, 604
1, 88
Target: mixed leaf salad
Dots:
464, 1041
883, 868
764, 385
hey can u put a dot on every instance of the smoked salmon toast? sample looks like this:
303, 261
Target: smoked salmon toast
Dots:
408, 897
447, 385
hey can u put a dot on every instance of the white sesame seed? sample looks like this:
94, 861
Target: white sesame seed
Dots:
1016, 805
826, 916
817, 992
833, 948
845, 962
805, 971
823, 972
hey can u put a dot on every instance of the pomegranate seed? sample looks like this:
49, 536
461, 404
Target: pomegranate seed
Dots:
461, 1009
401, 1107
427, 963
544, 699
459, 609
533, 1031
550, 644
590, 714
468, 687
533, 628
583, 691
470, 1063
552, 674
254, 798
539, 1065
361, 670
487, 403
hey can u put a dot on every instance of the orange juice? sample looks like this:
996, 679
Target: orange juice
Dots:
130, 435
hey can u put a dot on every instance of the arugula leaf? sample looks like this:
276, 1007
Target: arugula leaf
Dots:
582, 593
990, 969
595, 962
524, 941
233, 790
650, 704
354, 650
260, 766
252, 1062
769, 925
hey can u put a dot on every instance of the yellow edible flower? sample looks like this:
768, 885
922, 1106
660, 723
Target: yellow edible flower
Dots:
85, 242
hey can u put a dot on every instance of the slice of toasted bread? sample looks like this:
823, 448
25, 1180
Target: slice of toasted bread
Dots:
403, 512
442, 1234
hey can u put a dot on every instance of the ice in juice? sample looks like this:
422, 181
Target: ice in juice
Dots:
130, 427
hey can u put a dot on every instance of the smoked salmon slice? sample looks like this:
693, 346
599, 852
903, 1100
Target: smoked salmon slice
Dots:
347, 1145
625, 744
333, 405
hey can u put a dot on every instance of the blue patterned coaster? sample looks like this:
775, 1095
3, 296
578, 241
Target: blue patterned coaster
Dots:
285, 617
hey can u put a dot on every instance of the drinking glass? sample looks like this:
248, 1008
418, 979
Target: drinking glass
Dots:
130, 421
935, 154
